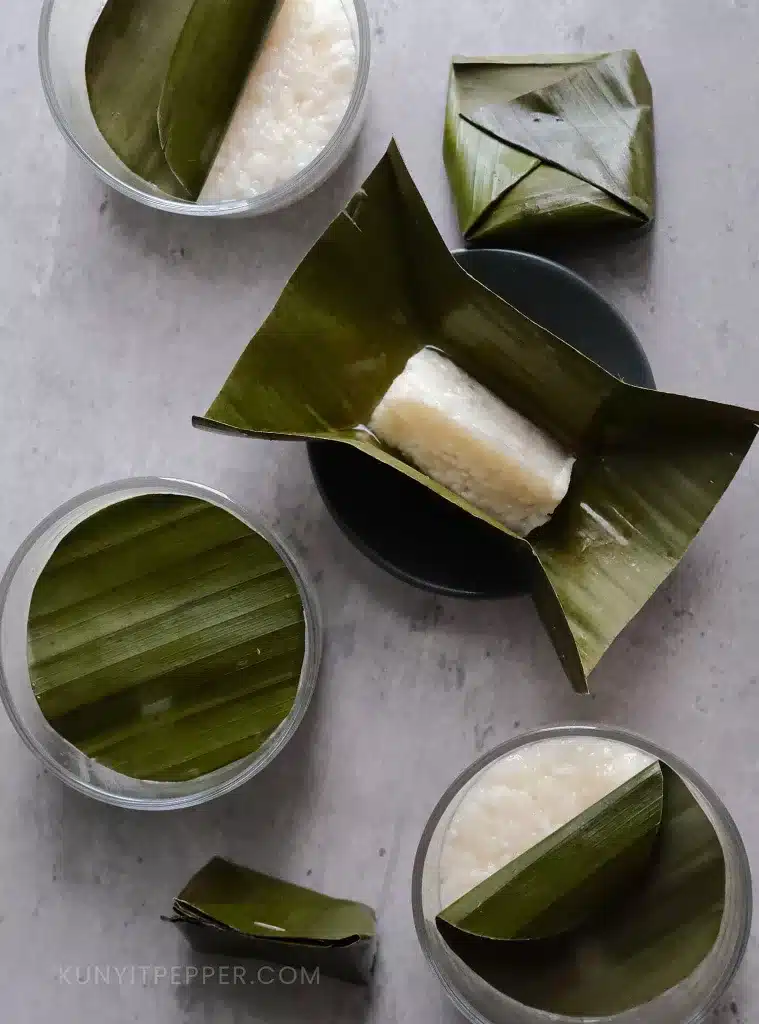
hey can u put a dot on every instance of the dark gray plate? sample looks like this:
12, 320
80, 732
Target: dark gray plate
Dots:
412, 532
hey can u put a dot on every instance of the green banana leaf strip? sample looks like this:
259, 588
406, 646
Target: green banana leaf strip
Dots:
128, 55
234, 911
638, 946
542, 147
567, 878
165, 638
210, 64
380, 285
163, 80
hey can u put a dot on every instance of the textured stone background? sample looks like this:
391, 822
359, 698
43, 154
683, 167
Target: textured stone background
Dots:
117, 323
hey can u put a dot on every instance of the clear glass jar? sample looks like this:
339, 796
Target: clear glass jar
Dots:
58, 755
64, 30
690, 1002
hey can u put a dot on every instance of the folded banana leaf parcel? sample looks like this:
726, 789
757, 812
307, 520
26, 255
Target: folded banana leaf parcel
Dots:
550, 148
233, 911
380, 340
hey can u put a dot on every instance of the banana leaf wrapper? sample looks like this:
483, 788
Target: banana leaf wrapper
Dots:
163, 79
166, 638
380, 285
609, 912
550, 148
233, 911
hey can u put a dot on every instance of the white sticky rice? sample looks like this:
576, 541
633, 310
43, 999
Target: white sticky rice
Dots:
523, 797
293, 102
464, 437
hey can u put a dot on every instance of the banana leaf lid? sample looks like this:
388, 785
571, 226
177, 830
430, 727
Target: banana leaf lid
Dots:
233, 911
379, 286
167, 637
547, 148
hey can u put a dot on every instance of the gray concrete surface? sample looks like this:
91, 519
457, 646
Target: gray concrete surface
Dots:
116, 324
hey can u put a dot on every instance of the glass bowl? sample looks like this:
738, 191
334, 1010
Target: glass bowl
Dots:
58, 755
64, 30
690, 1002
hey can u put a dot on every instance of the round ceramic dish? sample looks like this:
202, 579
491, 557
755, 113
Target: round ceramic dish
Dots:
690, 1002
63, 35
401, 525
58, 755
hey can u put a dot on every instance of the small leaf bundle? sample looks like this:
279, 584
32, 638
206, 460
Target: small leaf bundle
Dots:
164, 78
165, 638
607, 913
233, 911
550, 147
379, 286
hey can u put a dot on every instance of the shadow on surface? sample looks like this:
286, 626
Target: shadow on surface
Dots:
628, 259
201, 239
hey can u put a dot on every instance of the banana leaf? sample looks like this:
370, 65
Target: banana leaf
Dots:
230, 910
637, 946
165, 638
550, 147
163, 80
378, 286
568, 877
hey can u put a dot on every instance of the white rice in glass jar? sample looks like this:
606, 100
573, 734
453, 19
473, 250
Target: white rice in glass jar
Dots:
295, 97
525, 796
